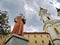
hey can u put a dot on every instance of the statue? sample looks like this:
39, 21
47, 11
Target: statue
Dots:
19, 24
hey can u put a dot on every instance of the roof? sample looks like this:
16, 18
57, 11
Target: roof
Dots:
16, 36
36, 33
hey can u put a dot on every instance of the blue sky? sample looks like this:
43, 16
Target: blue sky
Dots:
58, 0
30, 8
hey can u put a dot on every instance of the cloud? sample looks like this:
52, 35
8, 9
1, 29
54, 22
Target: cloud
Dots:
30, 8
57, 5
33, 29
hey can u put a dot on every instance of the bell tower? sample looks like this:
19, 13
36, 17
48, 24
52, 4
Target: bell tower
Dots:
44, 16
51, 26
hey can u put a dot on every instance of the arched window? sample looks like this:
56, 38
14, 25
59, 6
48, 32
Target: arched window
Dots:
41, 35
34, 36
42, 41
48, 18
28, 36
47, 36
35, 41
49, 43
56, 30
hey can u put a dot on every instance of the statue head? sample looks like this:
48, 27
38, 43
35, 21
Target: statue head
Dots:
21, 16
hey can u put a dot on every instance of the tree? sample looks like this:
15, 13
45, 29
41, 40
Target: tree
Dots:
4, 24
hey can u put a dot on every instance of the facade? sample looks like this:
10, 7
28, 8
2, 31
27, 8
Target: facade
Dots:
29, 38
50, 25
38, 38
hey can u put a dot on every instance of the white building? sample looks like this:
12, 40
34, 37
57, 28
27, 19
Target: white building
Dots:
51, 26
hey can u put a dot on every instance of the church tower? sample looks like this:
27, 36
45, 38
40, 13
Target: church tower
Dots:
44, 16
51, 26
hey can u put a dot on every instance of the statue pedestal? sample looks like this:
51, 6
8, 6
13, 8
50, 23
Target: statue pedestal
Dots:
16, 40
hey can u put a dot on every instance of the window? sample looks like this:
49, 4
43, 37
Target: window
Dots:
56, 31
48, 18
42, 41
49, 43
34, 35
41, 35
35, 41
47, 36
28, 36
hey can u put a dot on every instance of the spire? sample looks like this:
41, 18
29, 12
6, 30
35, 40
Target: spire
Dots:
44, 16
42, 11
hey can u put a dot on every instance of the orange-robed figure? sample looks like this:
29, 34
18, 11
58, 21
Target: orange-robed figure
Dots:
19, 24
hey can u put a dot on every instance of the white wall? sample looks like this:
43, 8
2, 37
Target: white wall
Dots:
51, 31
58, 27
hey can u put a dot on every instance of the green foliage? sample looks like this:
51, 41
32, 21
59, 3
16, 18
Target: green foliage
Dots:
4, 25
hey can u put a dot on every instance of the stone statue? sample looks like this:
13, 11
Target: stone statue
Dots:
19, 24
